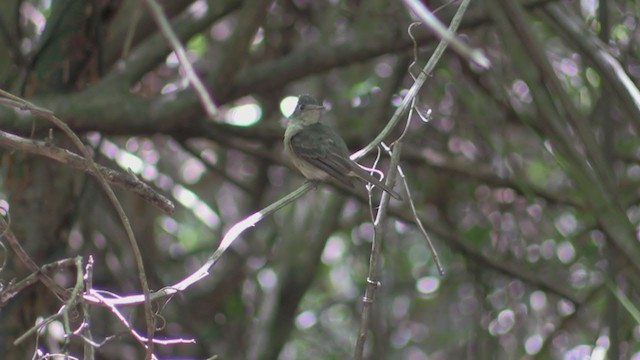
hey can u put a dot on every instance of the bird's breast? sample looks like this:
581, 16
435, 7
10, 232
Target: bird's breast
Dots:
308, 170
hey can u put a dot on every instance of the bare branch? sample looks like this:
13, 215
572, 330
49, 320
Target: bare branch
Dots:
48, 115
194, 80
124, 180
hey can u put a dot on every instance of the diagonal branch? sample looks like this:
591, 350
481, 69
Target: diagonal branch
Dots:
181, 53
123, 180
613, 73
236, 48
46, 114
153, 51
407, 102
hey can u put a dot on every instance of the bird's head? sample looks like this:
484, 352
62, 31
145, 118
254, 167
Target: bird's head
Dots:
308, 110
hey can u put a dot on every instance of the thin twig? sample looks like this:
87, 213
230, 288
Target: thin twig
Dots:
49, 116
71, 303
123, 320
87, 336
372, 279
413, 91
232, 235
376, 248
26, 260
118, 178
445, 35
64, 310
417, 221
14, 289
194, 80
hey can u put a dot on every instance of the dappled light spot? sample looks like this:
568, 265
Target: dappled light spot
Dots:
184, 196
192, 170
566, 252
521, 91
222, 30
565, 308
383, 70
538, 300
169, 224
258, 38
172, 60
267, 278
76, 240
580, 352
579, 276
287, 105
533, 344
566, 224
568, 67
334, 250
306, 319
548, 249
129, 161
400, 338
56, 330
428, 285
201, 210
503, 323
199, 8
208, 217
244, 115
169, 88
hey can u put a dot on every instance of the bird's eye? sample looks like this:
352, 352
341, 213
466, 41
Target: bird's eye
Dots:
301, 106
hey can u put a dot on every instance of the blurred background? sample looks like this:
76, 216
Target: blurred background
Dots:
525, 175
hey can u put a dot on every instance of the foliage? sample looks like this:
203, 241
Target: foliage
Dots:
524, 175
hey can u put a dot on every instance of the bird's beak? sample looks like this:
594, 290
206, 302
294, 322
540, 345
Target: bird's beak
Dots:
314, 107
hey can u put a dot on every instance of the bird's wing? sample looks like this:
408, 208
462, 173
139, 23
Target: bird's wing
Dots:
320, 146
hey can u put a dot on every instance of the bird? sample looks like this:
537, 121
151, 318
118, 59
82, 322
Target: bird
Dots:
319, 152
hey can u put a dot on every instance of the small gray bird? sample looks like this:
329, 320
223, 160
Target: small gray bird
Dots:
318, 151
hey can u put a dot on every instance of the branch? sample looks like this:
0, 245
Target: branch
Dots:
128, 28
124, 113
485, 174
154, 50
407, 102
314, 58
46, 114
37, 274
26, 260
614, 74
592, 175
374, 258
166, 30
446, 35
123, 180
236, 49
229, 238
